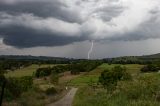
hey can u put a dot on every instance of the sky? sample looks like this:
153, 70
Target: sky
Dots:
67, 28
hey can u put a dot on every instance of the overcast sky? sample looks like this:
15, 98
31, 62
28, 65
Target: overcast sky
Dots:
65, 28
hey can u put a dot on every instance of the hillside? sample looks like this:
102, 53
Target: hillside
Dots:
29, 57
153, 56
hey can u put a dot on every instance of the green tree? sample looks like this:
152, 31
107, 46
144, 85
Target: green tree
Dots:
109, 78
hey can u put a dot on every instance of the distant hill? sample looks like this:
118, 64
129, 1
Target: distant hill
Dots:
145, 59
153, 56
29, 57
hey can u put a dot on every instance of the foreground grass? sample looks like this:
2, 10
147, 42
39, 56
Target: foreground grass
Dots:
35, 96
143, 90
27, 71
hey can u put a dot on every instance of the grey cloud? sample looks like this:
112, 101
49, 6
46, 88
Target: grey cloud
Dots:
51, 8
23, 37
146, 30
107, 13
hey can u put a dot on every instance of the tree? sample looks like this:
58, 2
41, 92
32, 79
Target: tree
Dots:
109, 78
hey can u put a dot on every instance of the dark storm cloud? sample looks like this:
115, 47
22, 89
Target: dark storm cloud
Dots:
23, 37
31, 23
17, 35
42, 8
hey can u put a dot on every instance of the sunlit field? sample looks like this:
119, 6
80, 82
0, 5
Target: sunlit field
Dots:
27, 71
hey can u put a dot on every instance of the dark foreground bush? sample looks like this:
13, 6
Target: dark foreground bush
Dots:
51, 91
16, 86
150, 68
109, 78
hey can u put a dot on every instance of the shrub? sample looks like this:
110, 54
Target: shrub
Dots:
8, 95
84, 66
150, 68
51, 91
2, 79
41, 72
15, 86
109, 78
54, 78
32, 98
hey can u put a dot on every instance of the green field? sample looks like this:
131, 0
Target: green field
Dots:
84, 80
93, 76
35, 96
27, 71
137, 92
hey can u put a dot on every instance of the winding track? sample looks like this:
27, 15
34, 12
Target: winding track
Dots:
66, 100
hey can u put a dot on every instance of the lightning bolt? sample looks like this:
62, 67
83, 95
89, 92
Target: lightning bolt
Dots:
91, 49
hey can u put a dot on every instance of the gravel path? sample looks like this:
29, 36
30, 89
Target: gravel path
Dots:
66, 100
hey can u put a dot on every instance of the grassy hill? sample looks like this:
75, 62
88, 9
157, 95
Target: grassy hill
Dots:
153, 56
142, 90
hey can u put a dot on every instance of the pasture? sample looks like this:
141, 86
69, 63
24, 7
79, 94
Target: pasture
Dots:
27, 71
137, 92
93, 76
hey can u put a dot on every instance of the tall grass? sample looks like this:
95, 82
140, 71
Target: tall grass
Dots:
142, 91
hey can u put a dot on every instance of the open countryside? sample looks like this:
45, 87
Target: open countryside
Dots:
96, 83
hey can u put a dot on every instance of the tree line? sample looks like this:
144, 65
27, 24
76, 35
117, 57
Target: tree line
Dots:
74, 68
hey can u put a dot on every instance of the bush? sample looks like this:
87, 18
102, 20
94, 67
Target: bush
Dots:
32, 98
54, 78
2, 79
51, 91
150, 68
109, 78
15, 86
8, 96
41, 72
84, 66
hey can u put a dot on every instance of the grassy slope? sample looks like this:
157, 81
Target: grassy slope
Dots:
36, 96
129, 93
94, 75
27, 71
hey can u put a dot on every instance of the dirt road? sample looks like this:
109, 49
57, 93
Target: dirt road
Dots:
66, 100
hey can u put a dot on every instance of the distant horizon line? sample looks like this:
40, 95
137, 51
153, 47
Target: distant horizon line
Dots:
75, 57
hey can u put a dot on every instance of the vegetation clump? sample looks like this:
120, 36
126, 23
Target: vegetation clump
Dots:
150, 68
51, 91
109, 78
84, 66
54, 78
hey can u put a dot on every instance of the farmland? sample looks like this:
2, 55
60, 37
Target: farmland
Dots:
141, 90
137, 92
44, 83
86, 78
